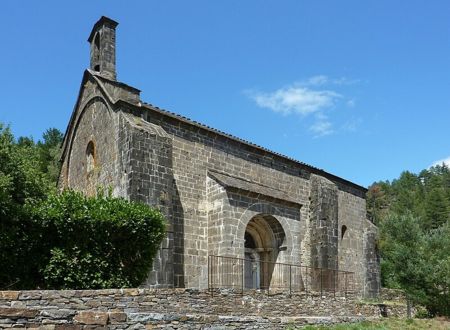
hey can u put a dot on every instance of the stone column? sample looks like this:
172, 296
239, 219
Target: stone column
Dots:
150, 180
372, 262
323, 232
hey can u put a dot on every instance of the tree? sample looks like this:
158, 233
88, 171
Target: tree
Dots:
378, 201
21, 181
417, 261
413, 213
401, 241
436, 209
49, 152
437, 258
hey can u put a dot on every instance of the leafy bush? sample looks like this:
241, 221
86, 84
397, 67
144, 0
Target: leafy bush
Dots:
21, 181
96, 242
418, 261
422, 313
413, 213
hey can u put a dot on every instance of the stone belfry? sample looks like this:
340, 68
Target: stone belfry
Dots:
103, 47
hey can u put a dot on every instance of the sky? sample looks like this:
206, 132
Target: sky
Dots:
360, 89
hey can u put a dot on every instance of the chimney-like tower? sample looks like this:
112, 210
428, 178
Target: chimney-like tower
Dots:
103, 47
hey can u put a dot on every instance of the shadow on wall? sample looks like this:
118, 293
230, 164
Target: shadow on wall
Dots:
178, 238
264, 236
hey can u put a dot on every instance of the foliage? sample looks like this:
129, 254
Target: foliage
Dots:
49, 153
21, 181
422, 313
426, 196
384, 324
413, 214
97, 242
66, 241
437, 271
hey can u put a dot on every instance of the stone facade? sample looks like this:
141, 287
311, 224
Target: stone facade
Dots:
181, 309
221, 195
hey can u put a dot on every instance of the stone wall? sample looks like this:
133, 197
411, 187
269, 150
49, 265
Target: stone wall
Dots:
262, 182
179, 309
352, 222
95, 123
150, 181
324, 229
210, 186
372, 261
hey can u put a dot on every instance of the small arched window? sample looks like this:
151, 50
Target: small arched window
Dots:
90, 157
96, 54
343, 230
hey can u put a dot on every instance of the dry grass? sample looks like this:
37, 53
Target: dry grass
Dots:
389, 324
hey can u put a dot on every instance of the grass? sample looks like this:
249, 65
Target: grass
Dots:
384, 302
386, 324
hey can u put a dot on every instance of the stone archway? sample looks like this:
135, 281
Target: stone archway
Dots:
263, 239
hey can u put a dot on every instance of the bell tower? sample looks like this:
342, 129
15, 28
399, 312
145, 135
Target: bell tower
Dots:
103, 47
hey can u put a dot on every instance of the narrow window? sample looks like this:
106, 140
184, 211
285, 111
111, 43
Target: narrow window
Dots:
96, 54
90, 157
343, 230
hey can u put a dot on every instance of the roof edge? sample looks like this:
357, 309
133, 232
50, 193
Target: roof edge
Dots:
102, 20
312, 169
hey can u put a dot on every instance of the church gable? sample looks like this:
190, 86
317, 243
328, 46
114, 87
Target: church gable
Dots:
90, 117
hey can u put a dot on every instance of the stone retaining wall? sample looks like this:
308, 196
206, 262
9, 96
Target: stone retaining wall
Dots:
179, 309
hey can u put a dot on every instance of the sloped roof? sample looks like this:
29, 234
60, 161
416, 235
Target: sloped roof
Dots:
188, 121
229, 181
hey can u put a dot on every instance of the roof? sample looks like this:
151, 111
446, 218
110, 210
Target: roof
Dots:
229, 181
102, 21
311, 168
188, 121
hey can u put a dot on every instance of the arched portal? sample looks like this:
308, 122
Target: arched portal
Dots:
263, 240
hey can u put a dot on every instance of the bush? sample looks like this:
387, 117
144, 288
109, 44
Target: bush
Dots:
418, 261
21, 181
95, 242
422, 313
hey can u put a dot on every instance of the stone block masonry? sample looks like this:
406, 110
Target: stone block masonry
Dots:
179, 309
221, 195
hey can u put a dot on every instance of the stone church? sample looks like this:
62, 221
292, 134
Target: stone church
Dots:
224, 198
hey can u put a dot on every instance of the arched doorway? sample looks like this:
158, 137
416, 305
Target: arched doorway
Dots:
263, 240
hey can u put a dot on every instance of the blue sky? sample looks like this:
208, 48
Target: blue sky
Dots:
358, 88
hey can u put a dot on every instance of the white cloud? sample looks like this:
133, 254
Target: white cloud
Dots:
321, 127
345, 81
446, 161
321, 80
351, 125
309, 97
316, 80
296, 99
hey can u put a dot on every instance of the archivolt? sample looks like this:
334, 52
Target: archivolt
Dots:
84, 106
264, 209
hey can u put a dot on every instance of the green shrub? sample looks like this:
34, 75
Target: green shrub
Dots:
422, 313
21, 181
95, 242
